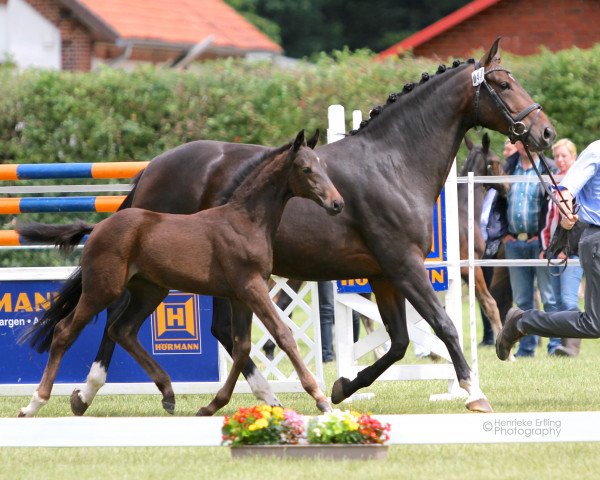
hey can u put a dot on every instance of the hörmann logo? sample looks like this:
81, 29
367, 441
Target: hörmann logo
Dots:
175, 325
18, 309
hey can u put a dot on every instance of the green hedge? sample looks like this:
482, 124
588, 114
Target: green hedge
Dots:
110, 115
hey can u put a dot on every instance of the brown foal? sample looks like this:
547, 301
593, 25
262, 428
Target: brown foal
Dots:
226, 251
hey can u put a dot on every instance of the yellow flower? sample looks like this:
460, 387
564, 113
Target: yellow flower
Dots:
354, 413
351, 424
252, 427
278, 412
261, 423
265, 410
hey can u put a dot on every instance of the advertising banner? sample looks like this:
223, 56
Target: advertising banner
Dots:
177, 334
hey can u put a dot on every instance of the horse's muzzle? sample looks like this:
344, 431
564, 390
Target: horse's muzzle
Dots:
335, 207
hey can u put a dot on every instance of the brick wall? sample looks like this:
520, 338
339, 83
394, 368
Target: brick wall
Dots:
76, 41
524, 26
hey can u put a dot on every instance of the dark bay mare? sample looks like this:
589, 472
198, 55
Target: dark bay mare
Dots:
226, 252
481, 161
390, 173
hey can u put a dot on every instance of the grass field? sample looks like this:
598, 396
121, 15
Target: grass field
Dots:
538, 384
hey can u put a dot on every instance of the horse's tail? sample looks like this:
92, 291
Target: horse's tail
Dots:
39, 335
66, 237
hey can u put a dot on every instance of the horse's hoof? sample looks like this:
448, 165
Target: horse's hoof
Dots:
480, 405
324, 406
78, 406
169, 405
21, 414
204, 412
338, 391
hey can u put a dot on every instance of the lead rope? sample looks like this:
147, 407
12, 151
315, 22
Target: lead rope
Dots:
519, 132
561, 205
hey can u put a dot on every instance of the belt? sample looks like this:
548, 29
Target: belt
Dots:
523, 236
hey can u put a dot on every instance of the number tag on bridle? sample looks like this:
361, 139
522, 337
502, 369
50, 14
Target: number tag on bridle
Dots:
478, 76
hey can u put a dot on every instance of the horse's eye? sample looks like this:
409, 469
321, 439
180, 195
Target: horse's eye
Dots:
504, 85
307, 170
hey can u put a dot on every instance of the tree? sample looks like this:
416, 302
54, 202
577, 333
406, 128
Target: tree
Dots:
311, 26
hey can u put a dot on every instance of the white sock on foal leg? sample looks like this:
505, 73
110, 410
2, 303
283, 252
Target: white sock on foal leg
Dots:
94, 381
34, 405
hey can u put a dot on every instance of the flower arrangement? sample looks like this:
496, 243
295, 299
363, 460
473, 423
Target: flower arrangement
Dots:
347, 427
265, 425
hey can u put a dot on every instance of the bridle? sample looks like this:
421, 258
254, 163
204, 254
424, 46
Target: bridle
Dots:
518, 131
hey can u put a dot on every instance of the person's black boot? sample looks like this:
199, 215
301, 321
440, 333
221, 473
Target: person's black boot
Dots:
510, 333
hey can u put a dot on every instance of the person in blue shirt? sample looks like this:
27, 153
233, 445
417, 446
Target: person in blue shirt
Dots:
582, 182
526, 214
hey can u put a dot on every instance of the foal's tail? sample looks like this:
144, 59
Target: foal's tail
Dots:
66, 237
39, 335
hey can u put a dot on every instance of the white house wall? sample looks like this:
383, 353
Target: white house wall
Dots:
3, 31
27, 38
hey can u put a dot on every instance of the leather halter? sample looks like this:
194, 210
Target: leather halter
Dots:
518, 131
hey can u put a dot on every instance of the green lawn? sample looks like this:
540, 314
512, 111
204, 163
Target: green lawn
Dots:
538, 384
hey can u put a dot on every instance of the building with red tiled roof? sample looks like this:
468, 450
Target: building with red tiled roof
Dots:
78, 34
525, 26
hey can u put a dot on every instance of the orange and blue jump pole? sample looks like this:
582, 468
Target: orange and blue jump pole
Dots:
34, 171
40, 171
103, 204
11, 238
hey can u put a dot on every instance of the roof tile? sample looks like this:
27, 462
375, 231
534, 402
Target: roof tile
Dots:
181, 21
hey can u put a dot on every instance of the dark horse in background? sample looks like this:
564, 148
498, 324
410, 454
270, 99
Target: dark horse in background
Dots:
481, 161
226, 251
495, 299
390, 172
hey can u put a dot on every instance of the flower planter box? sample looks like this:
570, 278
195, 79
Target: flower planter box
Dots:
330, 452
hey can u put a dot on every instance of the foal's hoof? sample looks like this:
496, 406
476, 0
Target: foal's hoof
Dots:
339, 389
169, 405
480, 405
203, 412
78, 406
324, 406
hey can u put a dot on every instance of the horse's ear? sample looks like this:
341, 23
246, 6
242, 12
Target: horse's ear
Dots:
492, 55
299, 141
485, 143
468, 143
312, 141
